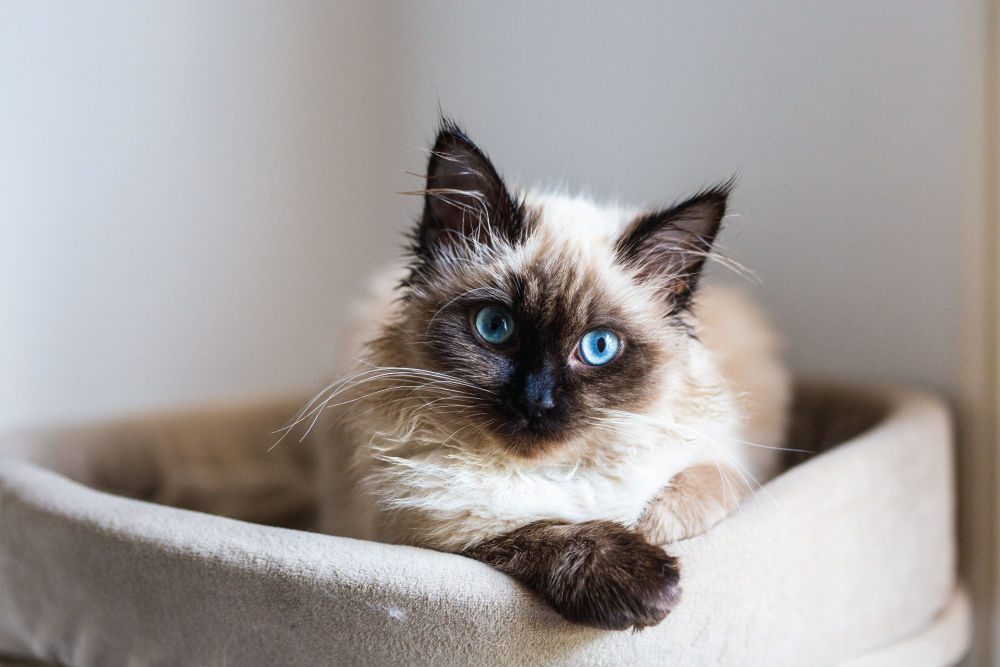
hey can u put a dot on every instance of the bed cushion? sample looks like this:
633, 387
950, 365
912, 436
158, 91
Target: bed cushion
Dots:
179, 539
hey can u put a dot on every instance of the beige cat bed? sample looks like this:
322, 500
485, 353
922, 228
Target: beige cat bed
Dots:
848, 557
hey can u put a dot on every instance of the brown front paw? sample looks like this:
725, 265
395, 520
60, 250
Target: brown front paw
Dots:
611, 578
597, 573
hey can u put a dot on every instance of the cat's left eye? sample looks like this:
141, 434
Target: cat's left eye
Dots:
495, 324
599, 347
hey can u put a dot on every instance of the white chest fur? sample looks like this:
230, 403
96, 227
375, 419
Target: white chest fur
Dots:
450, 500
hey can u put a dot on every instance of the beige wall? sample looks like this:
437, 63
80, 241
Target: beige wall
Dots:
191, 190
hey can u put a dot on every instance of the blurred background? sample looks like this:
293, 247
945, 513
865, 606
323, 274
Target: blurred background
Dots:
191, 193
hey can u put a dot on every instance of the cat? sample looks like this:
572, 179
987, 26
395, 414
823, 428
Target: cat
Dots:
544, 388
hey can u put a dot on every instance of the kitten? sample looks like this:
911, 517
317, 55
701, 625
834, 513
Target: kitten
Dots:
543, 389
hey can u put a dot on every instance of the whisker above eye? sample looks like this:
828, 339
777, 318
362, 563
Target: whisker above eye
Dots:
494, 292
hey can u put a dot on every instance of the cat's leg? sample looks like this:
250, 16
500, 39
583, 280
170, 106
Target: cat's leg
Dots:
695, 500
597, 573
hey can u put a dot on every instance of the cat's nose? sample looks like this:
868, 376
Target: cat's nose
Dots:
536, 393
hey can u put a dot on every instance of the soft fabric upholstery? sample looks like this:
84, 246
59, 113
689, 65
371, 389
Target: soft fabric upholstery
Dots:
847, 557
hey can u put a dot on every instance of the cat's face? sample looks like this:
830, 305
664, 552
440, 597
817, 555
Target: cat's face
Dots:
548, 314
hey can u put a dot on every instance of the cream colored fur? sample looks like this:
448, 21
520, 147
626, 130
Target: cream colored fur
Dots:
721, 402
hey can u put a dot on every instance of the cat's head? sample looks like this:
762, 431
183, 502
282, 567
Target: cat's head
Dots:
544, 315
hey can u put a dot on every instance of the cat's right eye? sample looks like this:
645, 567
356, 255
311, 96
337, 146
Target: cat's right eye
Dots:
599, 347
495, 324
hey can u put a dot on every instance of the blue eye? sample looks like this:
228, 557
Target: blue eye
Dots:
599, 347
495, 324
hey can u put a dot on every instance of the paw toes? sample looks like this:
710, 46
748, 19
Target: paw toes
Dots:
624, 583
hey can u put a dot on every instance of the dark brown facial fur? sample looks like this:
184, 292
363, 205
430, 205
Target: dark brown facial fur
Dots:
537, 393
596, 573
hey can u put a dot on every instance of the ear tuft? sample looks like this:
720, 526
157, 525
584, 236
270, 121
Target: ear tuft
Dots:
465, 200
670, 246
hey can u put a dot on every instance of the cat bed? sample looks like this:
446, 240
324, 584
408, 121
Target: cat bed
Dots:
178, 539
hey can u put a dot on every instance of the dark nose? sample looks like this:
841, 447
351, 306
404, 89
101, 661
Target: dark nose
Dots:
535, 398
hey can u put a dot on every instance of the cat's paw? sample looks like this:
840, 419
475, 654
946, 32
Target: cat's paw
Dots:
666, 521
596, 573
612, 578
695, 500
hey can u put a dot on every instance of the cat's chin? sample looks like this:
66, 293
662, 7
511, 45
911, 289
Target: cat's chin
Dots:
534, 441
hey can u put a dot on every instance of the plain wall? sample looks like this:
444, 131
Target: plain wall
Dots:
190, 193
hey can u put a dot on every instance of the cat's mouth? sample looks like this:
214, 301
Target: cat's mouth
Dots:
531, 433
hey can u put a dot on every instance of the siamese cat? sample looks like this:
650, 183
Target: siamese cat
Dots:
543, 388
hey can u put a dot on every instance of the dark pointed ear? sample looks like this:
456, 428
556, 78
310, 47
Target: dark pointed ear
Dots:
465, 200
670, 246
